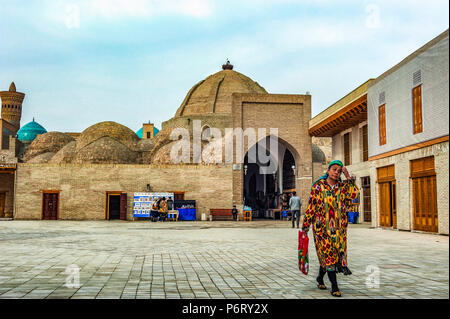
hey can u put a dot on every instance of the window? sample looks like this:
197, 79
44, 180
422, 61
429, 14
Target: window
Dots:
382, 122
347, 149
365, 144
417, 109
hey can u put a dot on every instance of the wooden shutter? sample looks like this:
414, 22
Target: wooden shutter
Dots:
386, 174
417, 109
123, 206
365, 144
382, 123
347, 149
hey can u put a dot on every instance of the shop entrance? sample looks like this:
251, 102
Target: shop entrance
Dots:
264, 190
116, 205
425, 213
387, 196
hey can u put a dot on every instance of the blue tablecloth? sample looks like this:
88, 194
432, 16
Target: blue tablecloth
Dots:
187, 214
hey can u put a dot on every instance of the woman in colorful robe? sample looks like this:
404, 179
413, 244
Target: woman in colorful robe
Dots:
327, 212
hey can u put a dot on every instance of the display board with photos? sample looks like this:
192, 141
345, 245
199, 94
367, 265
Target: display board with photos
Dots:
142, 203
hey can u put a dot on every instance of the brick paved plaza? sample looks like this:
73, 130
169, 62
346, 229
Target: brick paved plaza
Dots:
208, 260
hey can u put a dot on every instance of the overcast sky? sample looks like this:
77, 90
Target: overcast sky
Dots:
133, 61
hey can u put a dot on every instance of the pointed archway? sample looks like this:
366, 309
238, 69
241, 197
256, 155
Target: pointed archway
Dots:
262, 189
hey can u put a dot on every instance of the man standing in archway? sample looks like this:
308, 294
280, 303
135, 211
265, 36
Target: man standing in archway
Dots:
295, 204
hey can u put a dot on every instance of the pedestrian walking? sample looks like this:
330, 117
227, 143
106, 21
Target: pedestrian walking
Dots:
234, 211
327, 212
295, 205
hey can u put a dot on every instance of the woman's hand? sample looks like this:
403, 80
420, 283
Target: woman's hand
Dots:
346, 173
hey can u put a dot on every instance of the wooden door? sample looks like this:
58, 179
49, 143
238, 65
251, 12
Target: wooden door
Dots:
2, 204
50, 206
393, 192
387, 196
123, 206
425, 214
385, 205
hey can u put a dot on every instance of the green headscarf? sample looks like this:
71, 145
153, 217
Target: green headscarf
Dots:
325, 176
336, 162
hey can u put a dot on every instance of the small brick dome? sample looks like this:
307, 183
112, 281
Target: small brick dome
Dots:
47, 142
105, 150
66, 154
112, 130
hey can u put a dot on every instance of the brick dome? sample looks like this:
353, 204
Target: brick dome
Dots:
66, 154
105, 150
48, 142
113, 130
213, 94
42, 158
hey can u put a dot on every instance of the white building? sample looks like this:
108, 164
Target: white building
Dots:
392, 132
408, 121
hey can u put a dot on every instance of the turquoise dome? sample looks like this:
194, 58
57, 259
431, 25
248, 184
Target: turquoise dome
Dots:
139, 133
28, 132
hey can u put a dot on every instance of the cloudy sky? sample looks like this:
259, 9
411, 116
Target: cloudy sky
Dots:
133, 61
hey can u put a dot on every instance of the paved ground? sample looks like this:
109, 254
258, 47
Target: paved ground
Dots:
257, 259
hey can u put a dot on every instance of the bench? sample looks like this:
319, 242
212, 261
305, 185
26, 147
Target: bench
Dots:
221, 214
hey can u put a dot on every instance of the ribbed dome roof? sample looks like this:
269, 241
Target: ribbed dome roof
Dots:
29, 131
113, 130
213, 94
66, 154
105, 150
47, 142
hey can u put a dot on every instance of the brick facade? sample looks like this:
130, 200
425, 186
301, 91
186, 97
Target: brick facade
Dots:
83, 187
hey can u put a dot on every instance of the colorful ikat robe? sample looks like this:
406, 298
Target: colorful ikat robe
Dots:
327, 212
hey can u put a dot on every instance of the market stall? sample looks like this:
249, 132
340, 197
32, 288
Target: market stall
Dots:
142, 203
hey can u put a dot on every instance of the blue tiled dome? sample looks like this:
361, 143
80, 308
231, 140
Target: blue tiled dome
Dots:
28, 132
139, 133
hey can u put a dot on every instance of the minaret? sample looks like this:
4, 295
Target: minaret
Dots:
12, 105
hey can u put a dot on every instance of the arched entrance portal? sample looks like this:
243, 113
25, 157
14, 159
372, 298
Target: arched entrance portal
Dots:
263, 191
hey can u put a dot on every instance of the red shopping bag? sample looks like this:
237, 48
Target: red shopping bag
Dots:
303, 261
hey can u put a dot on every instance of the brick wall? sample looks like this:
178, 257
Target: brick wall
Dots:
83, 187
7, 186
291, 115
